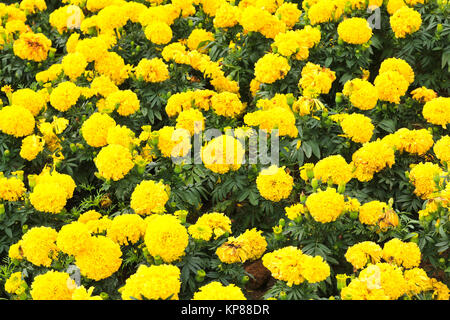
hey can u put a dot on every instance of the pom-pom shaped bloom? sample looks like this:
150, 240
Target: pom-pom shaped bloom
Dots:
223, 154
423, 176
423, 94
125, 102
437, 111
53, 285
406, 254
357, 127
101, 258
114, 162
191, 120
271, 67
158, 32
227, 104
149, 197
11, 189
371, 212
32, 46
355, 30
154, 70
126, 229
174, 142
39, 245
33, 101
334, 169
399, 65
48, 197
360, 254
73, 238
74, 65
153, 283
274, 183
325, 206
217, 291
31, 147
17, 121
391, 86
362, 94
64, 96
278, 118
219, 223
95, 129
198, 39
316, 80
405, 21
442, 149
166, 237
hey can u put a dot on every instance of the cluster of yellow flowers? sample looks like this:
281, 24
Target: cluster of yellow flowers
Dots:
249, 246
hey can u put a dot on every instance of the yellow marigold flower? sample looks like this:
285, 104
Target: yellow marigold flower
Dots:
406, 254
17, 121
32, 46
120, 135
371, 212
64, 181
279, 118
371, 158
442, 149
437, 111
174, 142
232, 251
405, 21
295, 211
217, 291
423, 94
333, 168
274, 183
226, 16
412, 141
219, 223
125, 101
93, 48
227, 104
100, 259
191, 120
360, 254
74, 65
200, 232
422, 177
315, 269
126, 229
399, 65
53, 285
289, 13
33, 6
393, 5
66, 18
18, 26
48, 197
33, 101
80, 293
441, 291
73, 238
387, 277
158, 32
112, 65
223, 154
253, 243
50, 74
198, 39
252, 18
71, 44
355, 30
11, 189
153, 283
316, 80
15, 251
114, 162
324, 11
417, 281
362, 94
149, 197
270, 68
178, 102
95, 129
166, 237
325, 206
90, 215
38, 245
357, 127
14, 283
103, 86
391, 86
99, 226
154, 70
64, 96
